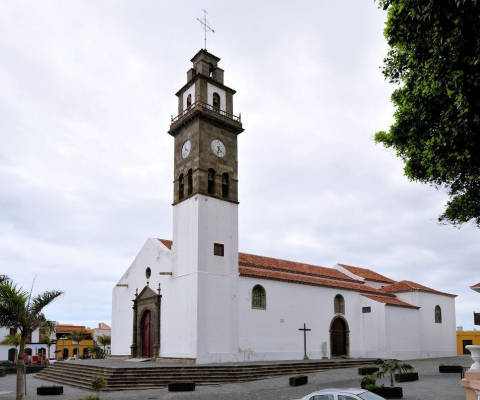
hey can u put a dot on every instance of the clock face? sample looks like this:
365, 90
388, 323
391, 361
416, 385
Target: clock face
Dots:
186, 149
218, 148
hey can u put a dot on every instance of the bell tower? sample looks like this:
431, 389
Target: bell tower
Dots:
205, 204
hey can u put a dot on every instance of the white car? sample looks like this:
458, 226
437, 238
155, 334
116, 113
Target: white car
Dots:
342, 394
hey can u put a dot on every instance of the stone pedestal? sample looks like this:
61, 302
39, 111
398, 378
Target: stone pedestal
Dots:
471, 382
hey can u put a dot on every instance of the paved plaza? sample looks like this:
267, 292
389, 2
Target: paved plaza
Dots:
431, 386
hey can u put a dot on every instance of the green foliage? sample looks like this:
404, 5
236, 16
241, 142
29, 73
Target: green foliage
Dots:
18, 309
12, 340
434, 58
104, 340
373, 386
368, 379
90, 397
389, 368
95, 349
98, 383
77, 336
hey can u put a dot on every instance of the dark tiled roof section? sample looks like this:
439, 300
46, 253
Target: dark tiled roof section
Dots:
307, 280
166, 243
409, 286
476, 286
367, 274
390, 301
274, 264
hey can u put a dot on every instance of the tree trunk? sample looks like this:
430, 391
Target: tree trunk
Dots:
19, 388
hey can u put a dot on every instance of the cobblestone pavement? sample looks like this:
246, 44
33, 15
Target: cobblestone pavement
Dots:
431, 386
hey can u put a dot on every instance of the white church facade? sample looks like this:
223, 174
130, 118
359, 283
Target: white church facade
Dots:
197, 299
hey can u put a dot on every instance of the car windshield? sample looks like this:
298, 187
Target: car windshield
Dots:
369, 396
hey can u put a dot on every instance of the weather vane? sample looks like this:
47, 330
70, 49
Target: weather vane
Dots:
205, 26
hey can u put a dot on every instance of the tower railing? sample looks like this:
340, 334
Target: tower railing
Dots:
205, 106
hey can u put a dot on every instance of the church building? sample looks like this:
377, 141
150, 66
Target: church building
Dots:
197, 299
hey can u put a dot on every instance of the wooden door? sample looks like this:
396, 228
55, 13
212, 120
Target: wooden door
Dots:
338, 338
147, 335
11, 355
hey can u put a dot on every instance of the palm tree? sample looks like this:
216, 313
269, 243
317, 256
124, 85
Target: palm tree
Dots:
77, 336
48, 341
12, 340
18, 309
104, 340
390, 367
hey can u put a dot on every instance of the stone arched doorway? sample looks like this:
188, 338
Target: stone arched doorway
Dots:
147, 335
339, 337
146, 324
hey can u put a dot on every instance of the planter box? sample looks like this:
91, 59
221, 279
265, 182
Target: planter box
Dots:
50, 390
388, 392
367, 370
406, 377
450, 368
181, 386
298, 380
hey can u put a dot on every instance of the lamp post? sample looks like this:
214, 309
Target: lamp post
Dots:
63, 345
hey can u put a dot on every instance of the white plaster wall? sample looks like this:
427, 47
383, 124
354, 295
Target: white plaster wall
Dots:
436, 340
154, 255
402, 333
190, 90
204, 286
373, 341
274, 334
223, 97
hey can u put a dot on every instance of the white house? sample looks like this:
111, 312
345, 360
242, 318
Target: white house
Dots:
198, 299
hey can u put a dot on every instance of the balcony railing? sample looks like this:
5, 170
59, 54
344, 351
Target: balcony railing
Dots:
205, 106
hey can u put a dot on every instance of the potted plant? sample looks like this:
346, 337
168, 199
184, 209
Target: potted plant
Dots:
450, 368
389, 368
49, 390
367, 370
298, 380
181, 386
367, 380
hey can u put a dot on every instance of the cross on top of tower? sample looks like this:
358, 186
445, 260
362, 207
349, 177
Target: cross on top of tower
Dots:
205, 26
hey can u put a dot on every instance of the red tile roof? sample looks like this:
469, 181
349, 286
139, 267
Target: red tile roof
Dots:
288, 271
274, 264
476, 286
390, 301
409, 286
167, 243
367, 274
305, 280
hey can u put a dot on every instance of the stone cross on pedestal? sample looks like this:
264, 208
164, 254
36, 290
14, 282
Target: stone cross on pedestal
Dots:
304, 329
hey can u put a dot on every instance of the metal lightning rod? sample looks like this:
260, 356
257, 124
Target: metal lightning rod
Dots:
205, 26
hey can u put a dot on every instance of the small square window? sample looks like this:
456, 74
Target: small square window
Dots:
218, 249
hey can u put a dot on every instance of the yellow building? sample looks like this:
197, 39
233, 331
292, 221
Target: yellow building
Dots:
465, 338
67, 347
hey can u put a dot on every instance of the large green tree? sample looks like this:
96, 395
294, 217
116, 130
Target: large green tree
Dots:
434, 57
18, 309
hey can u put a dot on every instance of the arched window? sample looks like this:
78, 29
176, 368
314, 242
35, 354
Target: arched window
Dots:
181, 187
28, 350
189, 100
438, 315
216, 100
259, 298
225, 185
190, 181
339, 304
211, 181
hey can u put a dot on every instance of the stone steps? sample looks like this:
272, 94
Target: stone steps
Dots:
78, 375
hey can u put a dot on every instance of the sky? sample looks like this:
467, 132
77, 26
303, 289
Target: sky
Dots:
87, 90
